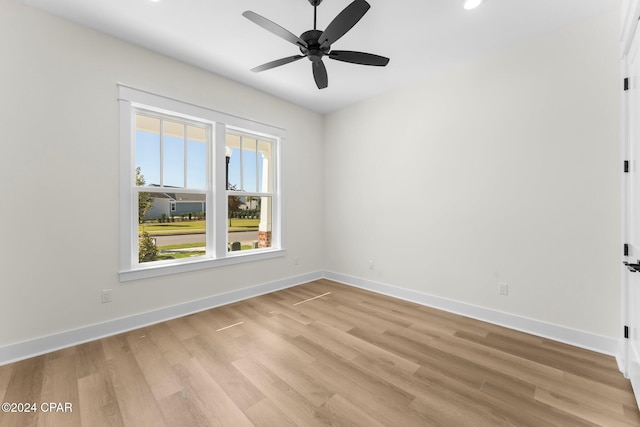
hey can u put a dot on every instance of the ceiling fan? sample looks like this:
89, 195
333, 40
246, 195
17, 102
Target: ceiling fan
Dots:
315, 44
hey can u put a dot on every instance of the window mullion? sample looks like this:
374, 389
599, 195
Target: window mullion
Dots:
241, 163
184, 144
161, 152
218, 210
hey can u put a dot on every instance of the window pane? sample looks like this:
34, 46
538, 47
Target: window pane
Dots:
173, 227
147, 150
196, 158
233, 168
249, 165
249, 223
173, 155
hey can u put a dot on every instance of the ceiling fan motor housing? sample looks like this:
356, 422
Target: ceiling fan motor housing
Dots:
313, 51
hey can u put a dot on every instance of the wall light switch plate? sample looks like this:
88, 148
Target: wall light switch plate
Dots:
503, 289
106, 296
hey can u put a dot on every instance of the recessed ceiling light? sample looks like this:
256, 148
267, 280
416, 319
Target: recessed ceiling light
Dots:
472, 4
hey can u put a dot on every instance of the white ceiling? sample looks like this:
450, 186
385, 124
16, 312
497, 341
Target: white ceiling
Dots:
422, 37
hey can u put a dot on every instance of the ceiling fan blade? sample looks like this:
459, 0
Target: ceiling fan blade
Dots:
276, 63
274, 28
320, 74
342, 23
359, 58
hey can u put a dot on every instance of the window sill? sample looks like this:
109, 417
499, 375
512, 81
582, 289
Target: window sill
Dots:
148, 271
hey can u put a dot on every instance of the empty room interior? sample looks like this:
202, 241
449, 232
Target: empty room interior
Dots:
431, 223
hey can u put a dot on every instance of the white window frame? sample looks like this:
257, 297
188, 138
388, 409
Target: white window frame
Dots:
132, 101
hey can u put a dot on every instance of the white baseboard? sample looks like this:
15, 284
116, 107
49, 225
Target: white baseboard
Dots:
38, 346
621, 358
586, 340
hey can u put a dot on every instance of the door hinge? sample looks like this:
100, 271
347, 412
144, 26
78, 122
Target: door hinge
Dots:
626, 332
626, 83
626, 166
625, 250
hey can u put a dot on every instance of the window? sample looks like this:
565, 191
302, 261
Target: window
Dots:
249, 190
199, 188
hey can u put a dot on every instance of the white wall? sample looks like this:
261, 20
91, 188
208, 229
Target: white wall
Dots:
59, 176
503, 170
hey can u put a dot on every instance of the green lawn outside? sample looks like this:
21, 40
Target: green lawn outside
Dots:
181, 246
194, 227
172, 228
162, 257
244, 222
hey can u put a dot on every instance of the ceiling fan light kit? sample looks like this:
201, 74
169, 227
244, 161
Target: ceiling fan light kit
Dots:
315, 44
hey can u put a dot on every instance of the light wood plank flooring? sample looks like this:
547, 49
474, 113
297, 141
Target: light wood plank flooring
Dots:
316, 355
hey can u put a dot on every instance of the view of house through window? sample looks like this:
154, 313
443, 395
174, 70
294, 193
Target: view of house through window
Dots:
249, 191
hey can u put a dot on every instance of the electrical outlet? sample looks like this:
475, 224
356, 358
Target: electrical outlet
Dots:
106, 296
503, 289
370, 264
296, 261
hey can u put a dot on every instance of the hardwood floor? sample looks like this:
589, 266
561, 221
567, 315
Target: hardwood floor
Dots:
316, 355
